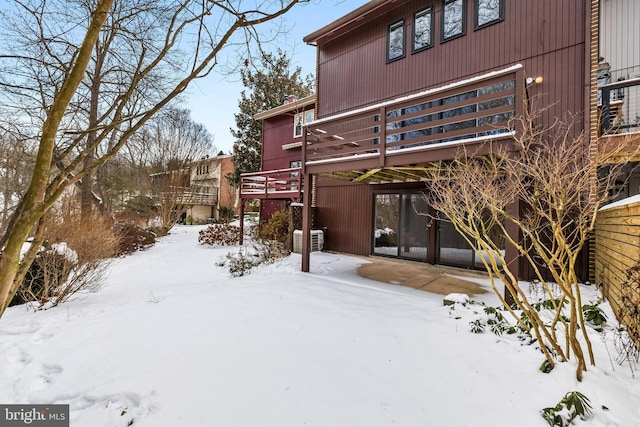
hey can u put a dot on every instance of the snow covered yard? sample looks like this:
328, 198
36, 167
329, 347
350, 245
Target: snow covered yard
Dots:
172, 340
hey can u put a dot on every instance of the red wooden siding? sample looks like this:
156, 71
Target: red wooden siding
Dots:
546, 36
346, 210
278, 131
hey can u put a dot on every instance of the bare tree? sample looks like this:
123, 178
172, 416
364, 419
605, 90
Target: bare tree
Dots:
165, 148
555, 177
194, 32
16, 163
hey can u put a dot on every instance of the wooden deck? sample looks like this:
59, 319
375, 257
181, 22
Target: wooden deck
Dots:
394, 140
272, 184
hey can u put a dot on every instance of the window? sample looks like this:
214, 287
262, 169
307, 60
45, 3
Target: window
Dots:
488, 12
453, 19
395, 41
301, 119
422, 29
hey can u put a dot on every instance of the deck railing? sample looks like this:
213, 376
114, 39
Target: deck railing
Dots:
272, 184
476, 109
620, 110
194, 195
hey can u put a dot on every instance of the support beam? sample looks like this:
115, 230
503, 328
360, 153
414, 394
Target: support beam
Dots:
242, 221
306, 222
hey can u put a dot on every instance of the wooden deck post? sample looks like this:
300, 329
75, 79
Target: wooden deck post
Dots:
306, 223
242, 221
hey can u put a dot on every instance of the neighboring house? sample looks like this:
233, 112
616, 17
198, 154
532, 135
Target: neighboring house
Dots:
282, 131
617, 236
194, 194
209, 189
404, 83
618, 74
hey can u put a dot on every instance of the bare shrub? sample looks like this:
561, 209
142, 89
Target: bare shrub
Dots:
73, 260
269, 243
132, 237
278, 229
220, 234
554, 175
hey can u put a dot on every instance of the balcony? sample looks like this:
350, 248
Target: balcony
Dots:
273, 184
619, 113
392, 141
187, 196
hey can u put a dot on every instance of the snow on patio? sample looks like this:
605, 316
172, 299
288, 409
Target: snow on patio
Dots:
172, 340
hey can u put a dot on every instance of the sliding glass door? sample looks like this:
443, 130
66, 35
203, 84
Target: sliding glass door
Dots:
400, 226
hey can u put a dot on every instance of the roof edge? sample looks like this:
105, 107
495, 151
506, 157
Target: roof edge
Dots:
348, 21
308, 100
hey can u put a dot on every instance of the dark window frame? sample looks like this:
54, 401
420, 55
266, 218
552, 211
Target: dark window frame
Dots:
477, 25
444, 3
395, 25
430, 10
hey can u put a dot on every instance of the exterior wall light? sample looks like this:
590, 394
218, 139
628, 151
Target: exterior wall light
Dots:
537, 80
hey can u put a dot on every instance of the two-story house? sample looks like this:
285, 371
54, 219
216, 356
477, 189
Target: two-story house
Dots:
404, 83
280, 182
209, 189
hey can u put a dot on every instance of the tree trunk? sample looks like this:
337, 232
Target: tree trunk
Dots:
34, 206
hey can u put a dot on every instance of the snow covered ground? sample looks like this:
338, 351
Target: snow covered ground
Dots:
172, 340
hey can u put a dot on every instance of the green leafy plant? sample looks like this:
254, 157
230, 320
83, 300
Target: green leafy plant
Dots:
477, 327
240, 263
546, 367
226, 214
549, 304
574, 404
594, 315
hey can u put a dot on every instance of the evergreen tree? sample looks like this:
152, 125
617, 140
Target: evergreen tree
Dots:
266, 88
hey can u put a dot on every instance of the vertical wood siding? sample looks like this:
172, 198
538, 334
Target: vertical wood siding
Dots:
546, 36
617, 251
346, 209
347, 214
280, 131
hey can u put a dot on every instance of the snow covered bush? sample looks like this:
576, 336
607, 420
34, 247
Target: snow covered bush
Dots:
240, 263
73, 260
220, 234
574, 404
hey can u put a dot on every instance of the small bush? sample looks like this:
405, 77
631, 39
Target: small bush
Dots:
47, 270
219, 234
240, 263
132, 237
72, 260
477, 327
574, 404
594, 316
226, 214
278, 228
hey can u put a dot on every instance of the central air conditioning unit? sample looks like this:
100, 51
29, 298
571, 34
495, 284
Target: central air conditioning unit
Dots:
317, 241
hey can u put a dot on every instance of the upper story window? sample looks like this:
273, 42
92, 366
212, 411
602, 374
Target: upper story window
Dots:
395, 40
488, 12
422, 29
301, 119
453, 19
